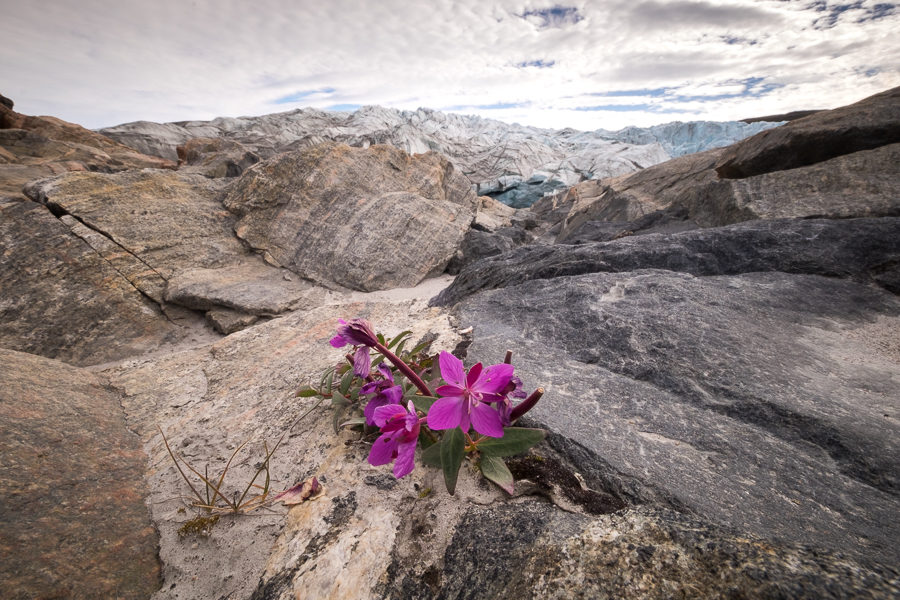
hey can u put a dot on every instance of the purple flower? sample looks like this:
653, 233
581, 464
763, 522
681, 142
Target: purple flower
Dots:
400, 433
466, 397
514, 389
385, 393
357, 332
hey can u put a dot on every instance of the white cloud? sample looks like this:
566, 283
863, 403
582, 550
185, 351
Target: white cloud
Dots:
102, 62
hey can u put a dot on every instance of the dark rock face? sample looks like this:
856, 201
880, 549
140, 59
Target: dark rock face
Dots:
867, 249
536, 551
366, 219
764, 401
62, 299
215, 157
868, 124
73, 523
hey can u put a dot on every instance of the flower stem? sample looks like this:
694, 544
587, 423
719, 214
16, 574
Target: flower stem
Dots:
404, 368
526, 405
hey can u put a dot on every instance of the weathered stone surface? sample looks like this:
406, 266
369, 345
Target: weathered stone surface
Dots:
866, 249
865, 125
73, 523
251, 288
62, 299
34, 147
210, 399
215, 157
492, 215
227, 321
764, 401
861, 184
169, 221
533, 550
366, 219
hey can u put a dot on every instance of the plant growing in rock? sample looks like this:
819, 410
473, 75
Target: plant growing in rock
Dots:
467, 415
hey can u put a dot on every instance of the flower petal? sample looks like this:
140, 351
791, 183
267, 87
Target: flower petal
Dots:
362, 362
449, 390
494, 379
369, 410
452, 370
338, 341
406, 452
393, 394
446, 413
383, 450
387, 412
386, 372
486, 421
472, 377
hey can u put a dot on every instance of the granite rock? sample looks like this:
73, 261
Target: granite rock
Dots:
764, 401
167, 220
533, 550
69, 301
73, 523
365, 219
865, 249
865, 125
215, 157
499, 158
35, 147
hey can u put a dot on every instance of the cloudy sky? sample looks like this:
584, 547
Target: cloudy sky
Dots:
582, 64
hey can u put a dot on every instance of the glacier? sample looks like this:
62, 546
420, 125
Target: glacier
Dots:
514, 163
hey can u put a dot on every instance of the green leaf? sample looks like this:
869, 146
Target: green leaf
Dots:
377, 360
328, 381
307, 392
354, 421
399, 336
515, 440
495, 469
345, 382
380, 338
452, 456
419, 348
431, 455
422, 403
336, 417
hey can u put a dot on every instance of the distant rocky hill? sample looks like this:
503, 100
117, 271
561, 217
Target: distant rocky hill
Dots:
514, 163
717, 336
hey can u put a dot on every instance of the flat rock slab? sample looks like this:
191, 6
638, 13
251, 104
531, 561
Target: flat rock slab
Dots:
241, 389
73, 523
167, 220
763, 401
865, 249
252, 288
62, 299
867, 124
532, 550
366, 219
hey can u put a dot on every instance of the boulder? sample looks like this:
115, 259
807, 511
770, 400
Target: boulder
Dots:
370, 535
62, 299
763, 401
209, 400
861, 184
864, 249
73, 522
865, 125
214, 157
170, 236
365, 219
169, 221
532, 550
36, 147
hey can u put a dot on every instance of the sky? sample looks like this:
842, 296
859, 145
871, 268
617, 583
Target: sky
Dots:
586, 64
